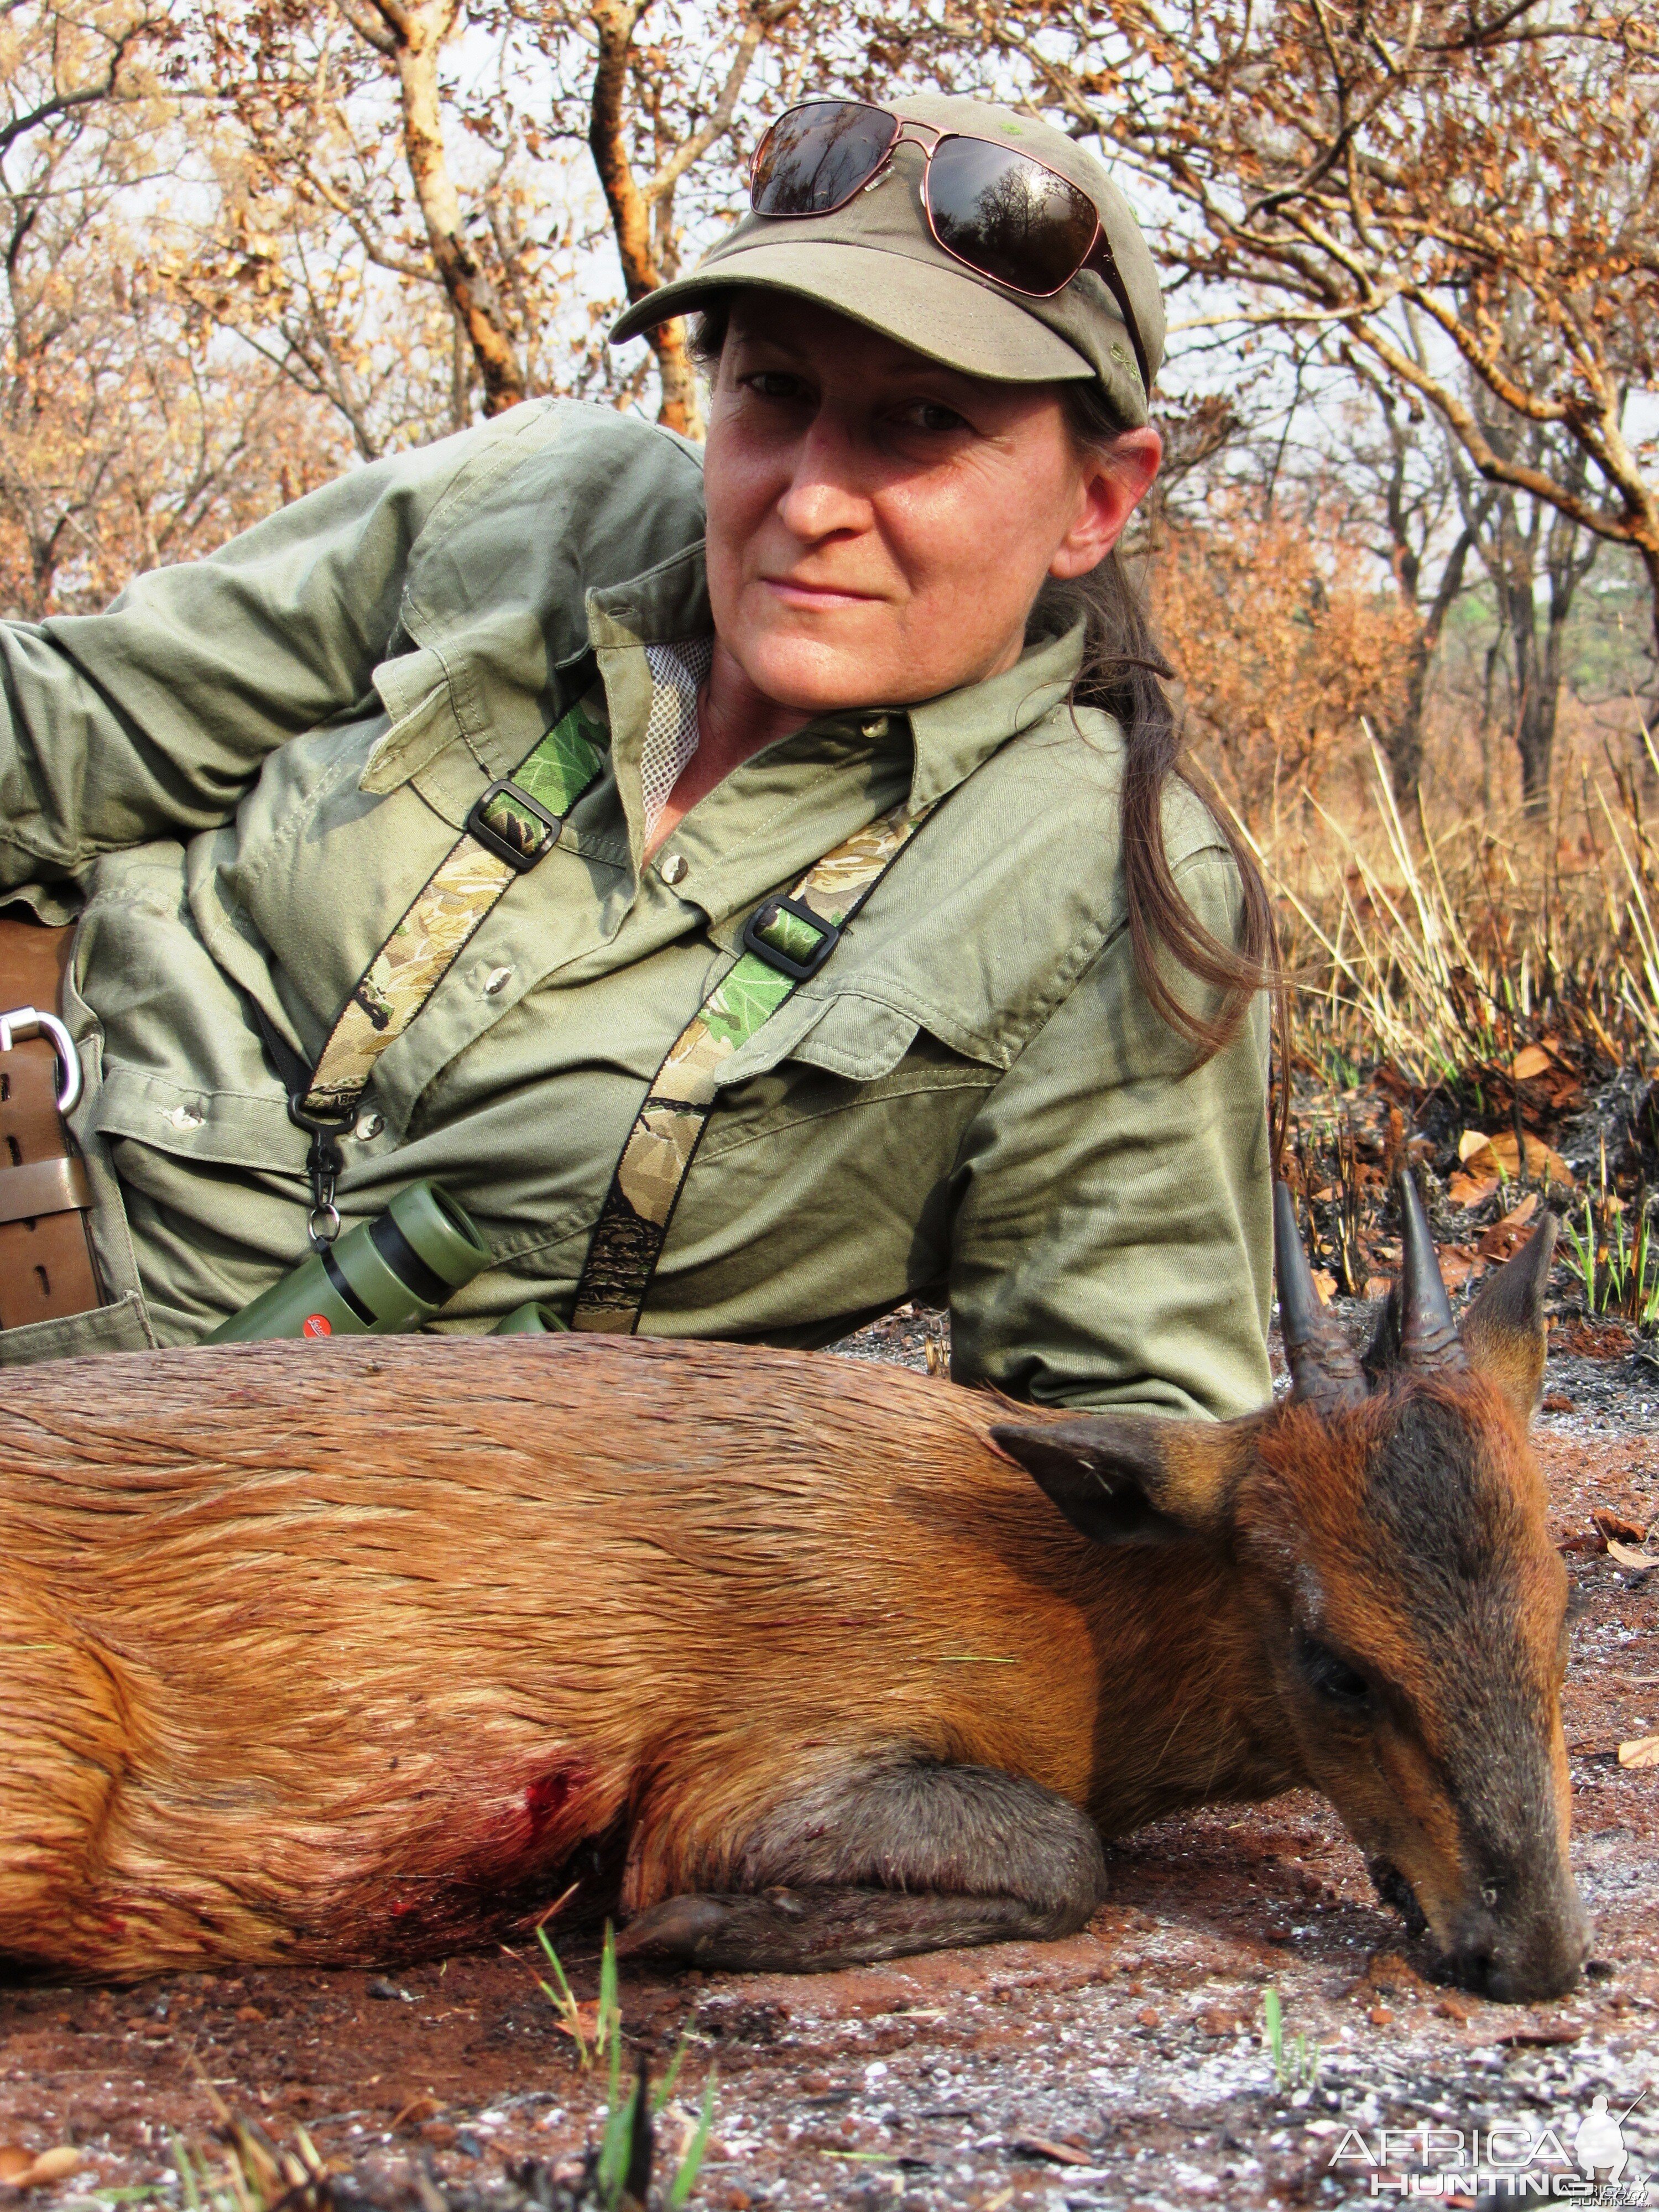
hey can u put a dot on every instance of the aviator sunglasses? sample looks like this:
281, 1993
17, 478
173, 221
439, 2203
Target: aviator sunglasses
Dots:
998, 212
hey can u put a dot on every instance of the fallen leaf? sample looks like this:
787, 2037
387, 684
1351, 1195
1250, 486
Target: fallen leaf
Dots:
1592, 1340
585, 2025
1614, 1525
39, 2170
1325, 1284
1378, 1286
1471, 1190
1641, 1750
1628, 1556
1484, 1156
1531, 1060
1518, 1216
1456, 1268
1556, 1401
1062, 2153
420, 2108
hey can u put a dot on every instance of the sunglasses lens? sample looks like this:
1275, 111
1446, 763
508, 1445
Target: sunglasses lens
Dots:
1007, 217
815, 156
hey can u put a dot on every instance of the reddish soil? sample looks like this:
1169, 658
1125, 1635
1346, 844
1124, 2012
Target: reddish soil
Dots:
1126, 2067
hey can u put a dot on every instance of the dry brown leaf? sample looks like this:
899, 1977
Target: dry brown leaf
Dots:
1062, 2153
1592, 1340
39, 2170
1615, 1525
1628, 1556
1531, 1060
585, 2025
1471, 1190
1325, 1284
1486, 1156
1518, 1216
1457, 1267
1641, 1750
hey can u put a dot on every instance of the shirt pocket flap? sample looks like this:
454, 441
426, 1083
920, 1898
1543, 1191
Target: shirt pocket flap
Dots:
415, 691
846, 1034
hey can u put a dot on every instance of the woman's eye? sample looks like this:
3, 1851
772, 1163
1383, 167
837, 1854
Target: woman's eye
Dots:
931, 416
773, 384
1329, 1676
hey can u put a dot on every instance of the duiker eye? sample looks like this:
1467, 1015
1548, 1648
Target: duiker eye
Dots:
1329, 1676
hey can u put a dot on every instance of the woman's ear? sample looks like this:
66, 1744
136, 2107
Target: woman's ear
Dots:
1116, 478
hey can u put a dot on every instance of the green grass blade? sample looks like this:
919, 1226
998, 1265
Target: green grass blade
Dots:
691, 2165
609, 2010
615, 2145
666, 2088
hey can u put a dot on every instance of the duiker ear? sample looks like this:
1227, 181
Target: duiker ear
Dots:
1503, 1331
1130, 1477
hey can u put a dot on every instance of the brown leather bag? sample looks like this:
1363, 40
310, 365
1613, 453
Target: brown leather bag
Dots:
47, 1270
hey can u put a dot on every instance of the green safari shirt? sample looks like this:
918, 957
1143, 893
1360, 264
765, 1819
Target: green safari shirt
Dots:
241, 775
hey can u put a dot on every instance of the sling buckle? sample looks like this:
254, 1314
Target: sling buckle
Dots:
789, 936
508, 823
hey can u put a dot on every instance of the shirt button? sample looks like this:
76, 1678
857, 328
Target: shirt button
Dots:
369, 1125
874, 726
675, 868
497, 980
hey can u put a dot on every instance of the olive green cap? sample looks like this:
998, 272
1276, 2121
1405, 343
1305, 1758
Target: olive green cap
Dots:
877, 261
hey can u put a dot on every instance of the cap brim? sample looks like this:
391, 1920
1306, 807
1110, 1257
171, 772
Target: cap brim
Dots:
935, 309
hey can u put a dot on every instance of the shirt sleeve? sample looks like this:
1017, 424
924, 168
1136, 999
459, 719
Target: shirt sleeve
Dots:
1112, 1235
152, 719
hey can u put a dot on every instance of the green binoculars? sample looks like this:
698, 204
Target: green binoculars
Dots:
382, 1277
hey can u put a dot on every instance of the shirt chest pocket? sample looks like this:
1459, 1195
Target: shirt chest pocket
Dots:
833, 1056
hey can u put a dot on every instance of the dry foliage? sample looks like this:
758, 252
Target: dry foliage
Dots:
1282, 642
1462, 197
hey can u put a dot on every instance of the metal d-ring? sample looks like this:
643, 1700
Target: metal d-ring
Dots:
328, 1213
23, 1023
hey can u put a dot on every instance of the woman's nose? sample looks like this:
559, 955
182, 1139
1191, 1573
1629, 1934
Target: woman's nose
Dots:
823, 494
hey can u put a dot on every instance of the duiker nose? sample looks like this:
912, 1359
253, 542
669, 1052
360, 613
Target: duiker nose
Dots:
1523, 1957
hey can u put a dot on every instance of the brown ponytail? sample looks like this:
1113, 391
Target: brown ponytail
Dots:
1123, 673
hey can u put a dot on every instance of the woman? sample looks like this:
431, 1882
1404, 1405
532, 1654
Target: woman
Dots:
748, 936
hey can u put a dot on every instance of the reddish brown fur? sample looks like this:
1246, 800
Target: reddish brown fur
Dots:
340, 1653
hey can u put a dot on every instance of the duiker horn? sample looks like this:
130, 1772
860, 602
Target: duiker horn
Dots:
1428, 1334
1325, 1371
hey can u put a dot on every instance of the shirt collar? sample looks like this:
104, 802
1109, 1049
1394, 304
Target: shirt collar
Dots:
951, 735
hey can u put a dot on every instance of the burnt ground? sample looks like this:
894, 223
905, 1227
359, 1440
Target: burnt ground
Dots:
1126, 2067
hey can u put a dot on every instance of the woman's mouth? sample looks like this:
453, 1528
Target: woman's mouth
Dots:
794, 594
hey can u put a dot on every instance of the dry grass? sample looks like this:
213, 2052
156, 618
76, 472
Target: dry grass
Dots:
1442, 950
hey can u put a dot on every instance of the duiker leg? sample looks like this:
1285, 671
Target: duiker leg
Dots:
905, 1857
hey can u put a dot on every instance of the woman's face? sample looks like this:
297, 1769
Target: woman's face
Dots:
879, 525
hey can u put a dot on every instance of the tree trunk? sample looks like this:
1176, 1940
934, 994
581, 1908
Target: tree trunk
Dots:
631, 215
469, 290
1402, 735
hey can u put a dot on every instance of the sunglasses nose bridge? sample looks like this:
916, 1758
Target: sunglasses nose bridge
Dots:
910, 122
